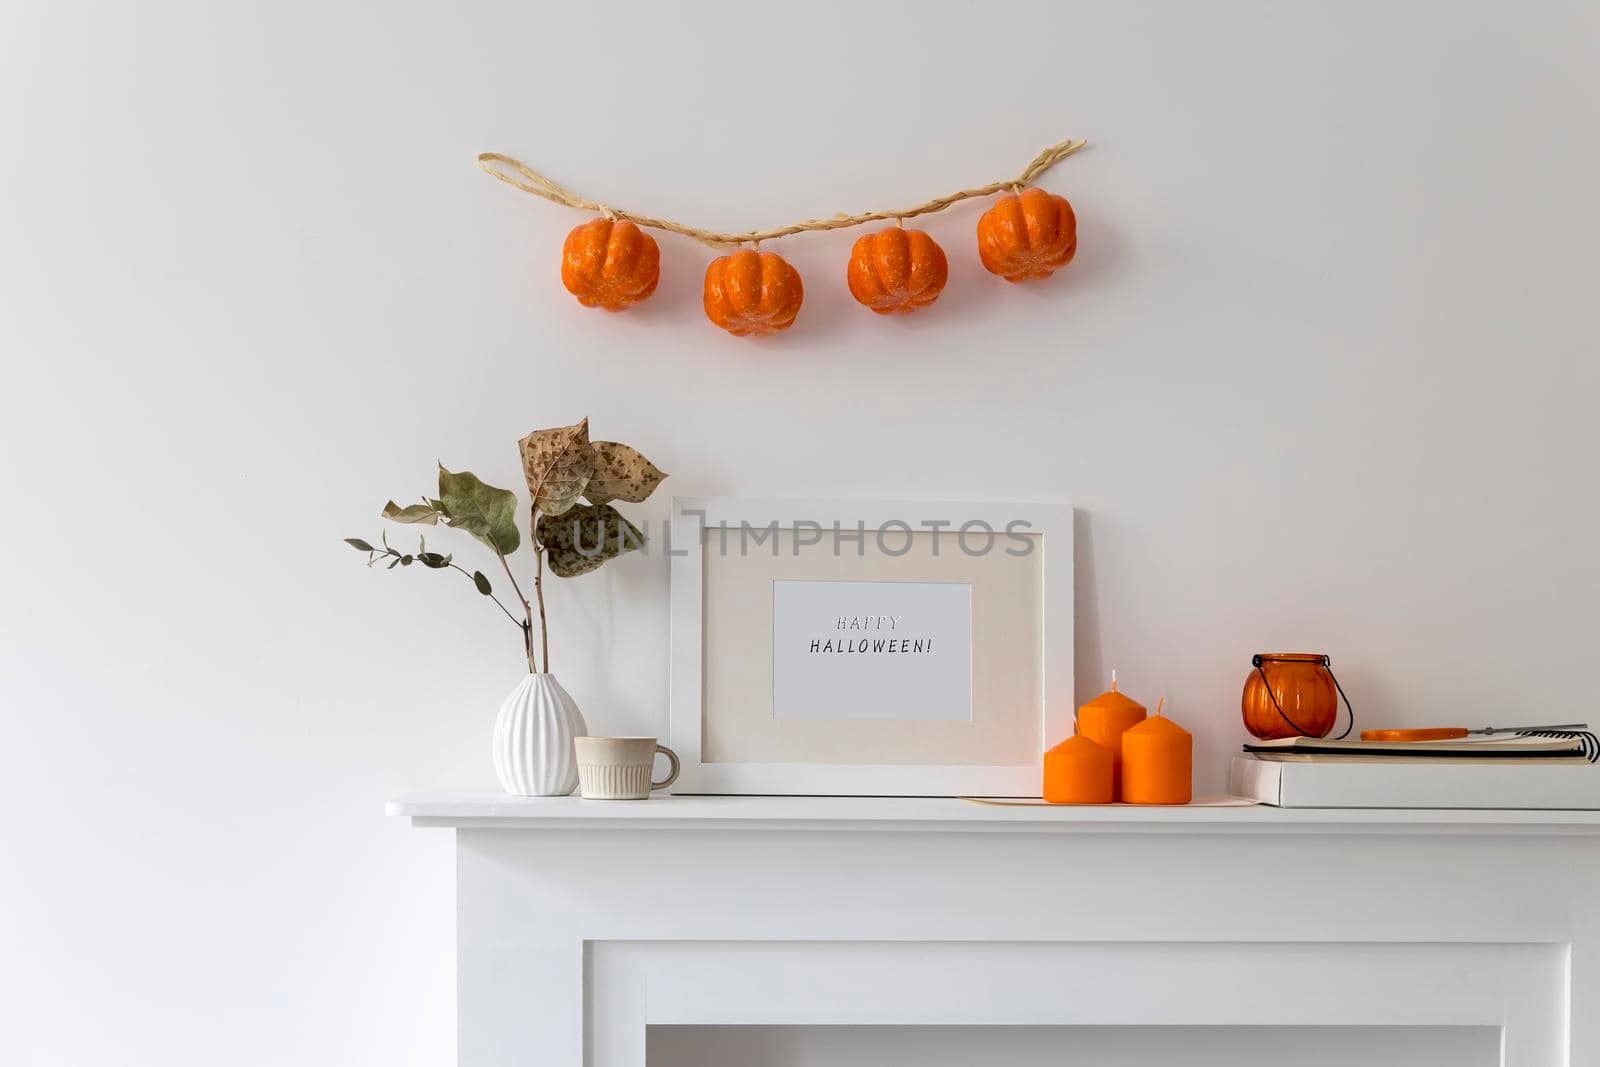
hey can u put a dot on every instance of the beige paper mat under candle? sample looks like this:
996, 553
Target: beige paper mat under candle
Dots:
1218, 801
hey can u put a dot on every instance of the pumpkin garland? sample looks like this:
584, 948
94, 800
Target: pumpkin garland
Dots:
609, 262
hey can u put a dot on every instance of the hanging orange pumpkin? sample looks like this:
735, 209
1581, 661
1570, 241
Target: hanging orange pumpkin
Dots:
610, 263
1027, 236
897, 270
752, 293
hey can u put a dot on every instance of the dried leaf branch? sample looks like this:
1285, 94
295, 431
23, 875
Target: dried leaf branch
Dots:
431, 560
572, 482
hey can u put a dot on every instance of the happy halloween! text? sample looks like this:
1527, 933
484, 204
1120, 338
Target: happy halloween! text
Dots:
882, 645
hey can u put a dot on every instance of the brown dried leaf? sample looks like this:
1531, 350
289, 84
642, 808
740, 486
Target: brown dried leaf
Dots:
621, 473
557, 464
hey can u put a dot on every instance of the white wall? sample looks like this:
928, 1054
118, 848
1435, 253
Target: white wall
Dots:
1321, 377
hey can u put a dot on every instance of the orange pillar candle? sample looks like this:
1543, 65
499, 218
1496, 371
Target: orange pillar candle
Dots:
1103, 721
1077, 771
1157, 762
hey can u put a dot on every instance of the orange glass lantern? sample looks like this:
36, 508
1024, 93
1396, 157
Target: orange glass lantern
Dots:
1103, 720
1077, 771
1292, 694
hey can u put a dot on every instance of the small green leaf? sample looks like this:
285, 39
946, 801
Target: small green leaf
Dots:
356, 542
487, 513
433, 559
481, 582
405, 561
393, 563
424, 513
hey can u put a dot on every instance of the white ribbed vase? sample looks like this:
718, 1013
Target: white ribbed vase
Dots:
533, 735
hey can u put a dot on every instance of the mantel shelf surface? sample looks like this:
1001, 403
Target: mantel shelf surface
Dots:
491, 810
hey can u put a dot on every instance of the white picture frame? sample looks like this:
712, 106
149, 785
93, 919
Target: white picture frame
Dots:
1048, 723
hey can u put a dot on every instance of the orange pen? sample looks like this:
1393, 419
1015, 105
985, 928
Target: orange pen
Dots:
1449, 733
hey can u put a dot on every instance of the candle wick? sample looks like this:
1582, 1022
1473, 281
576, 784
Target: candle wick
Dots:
1113, 679
1160, 704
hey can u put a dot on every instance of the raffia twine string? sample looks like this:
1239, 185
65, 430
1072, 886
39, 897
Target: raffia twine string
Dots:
531, 181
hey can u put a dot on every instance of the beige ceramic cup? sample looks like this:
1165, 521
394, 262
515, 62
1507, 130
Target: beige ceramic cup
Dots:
618, 768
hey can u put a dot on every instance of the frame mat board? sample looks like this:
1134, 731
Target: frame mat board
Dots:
738, 724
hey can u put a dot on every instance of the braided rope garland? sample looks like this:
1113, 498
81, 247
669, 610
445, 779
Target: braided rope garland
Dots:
531, 181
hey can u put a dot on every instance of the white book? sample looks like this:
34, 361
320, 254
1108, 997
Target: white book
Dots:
1547, 786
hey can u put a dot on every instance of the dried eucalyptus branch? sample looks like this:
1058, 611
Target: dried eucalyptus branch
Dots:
431, 560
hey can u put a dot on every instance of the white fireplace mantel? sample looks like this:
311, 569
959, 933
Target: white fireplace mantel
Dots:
483, 810
582, 923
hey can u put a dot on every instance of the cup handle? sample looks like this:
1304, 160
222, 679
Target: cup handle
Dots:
672, 775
